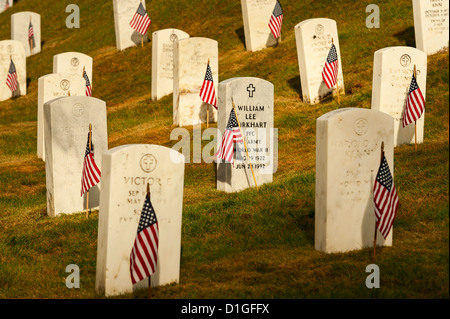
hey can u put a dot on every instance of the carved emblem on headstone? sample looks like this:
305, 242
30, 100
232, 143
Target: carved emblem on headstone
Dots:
319, 29
173, 37
360, 126
405, 60
148, 163
65, 84
74, 61
10, 49
78, 109
250, 90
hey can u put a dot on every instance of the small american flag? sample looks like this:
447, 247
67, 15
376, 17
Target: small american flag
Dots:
207, 92
276, 19
11, 78
330, 70
415, 103
385, 199
91, 174
232, 134
31, 36
88, 84
144, 254
140, 21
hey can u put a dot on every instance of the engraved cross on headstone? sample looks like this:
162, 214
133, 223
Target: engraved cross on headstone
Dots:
250, 90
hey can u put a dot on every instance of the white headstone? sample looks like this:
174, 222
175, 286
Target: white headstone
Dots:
73, 63
190, 61
253, 99
313, 38
431, 25
124, 11
162, 60
5, 4
12, 50
67, 122
126, 171
52, 86
392, 72
348, 153
256, 15
20, 24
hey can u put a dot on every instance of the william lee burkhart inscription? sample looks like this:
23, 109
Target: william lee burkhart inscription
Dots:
253, 99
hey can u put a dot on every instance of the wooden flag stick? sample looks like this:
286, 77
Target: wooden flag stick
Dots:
415, 122
245, 145
149, 277
376, 230
337, 84
87, 192
207, 108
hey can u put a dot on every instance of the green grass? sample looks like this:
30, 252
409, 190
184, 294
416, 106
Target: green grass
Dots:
251, 244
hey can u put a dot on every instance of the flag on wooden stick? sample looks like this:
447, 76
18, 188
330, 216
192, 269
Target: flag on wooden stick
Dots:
91, 173
88, 84
385, 198
31, 36
276, 20
11, 78
330, 69
140, 21
415, 103
232, 135
207, 92
144, 254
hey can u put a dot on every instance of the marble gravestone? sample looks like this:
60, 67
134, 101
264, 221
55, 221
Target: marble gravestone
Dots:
253, 99
256, 15
348, 153
392, 72
67, 122
190, 59
162, 61
52, 86
15, 51
431, 25
5, 4
124, 11
20, 23
126, 171
73, 63
313, 38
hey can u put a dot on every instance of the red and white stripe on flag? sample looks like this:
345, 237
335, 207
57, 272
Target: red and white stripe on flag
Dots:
385, 199
276, 20
415, 104
11, 81
330, 73
91, 174
140, 21
207, 91
144, 254
226, 148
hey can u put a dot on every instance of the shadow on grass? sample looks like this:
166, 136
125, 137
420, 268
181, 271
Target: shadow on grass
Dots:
407, 36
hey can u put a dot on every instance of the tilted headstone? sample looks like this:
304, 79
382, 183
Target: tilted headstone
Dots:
26, 28
348, 153
431, 25
5, 4
162, 60
15, 51
126, 171
253, 99
126, 36
67, 122
313, 38
52, 86
73, 63
392, 72
256, 15
190, 61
